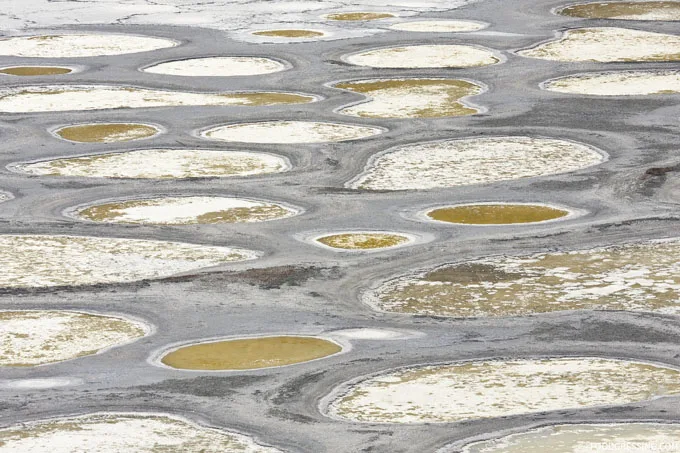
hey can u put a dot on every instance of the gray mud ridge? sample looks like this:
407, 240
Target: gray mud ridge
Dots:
297, 288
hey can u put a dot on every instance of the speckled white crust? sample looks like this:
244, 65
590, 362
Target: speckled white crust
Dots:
632, 277
80, 45
498, 388
625, 83
424, 56
440, 26
290, 132
60, 98
161, 164
188, 210
29, 338
44, 261
110, 432
608, 44
473, 161
432, 100
586, 438
217, 67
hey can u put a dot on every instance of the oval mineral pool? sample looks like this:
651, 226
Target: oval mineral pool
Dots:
217, 67
290, 33
114, 432
582, 437
55, 98
107, 132
357, 241
30, 338
425, 56
496, 214
440, 26
250, 353
639, 10
411, 98
358, 16
32, 261
80, 45
290, 132
501, 388
467, 161
28, 71
608, 44
624, 83
160, 164
638, 277
186, 211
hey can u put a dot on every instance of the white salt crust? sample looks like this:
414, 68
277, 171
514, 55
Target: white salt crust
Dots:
498, 388
625, 83
217, 67
440, 26
186, 210
160, 164
469, 161
80, 45
660, 14
60, 98
608, 44
290, 132
424, 56
407, 102
111, 432
29, 338
585, 438
50, 260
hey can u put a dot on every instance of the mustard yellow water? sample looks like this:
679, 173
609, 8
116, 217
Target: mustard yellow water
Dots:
35, 70
362, 241
250, 353
289, 33
496, 214
106, 132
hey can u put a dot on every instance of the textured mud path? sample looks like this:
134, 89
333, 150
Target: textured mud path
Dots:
297, 288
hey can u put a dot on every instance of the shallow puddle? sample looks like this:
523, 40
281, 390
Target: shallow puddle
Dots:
186, 211
290, 132
80, 45
363, 241
30, 261
496, 214
250, 353
30, 338
440, 26
359, 16
411, 98
500, 388
583, 437
29, 71
469, 161
424, 56
160, 164
89, 97
625, 83
639, 10
107, 132
634, 277
111, 432
608, 44
289, 33
218, 67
